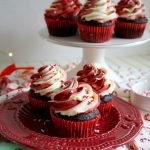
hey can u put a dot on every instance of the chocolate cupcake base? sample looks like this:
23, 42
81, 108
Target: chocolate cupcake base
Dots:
130, 29
105, 109
96, 33
39, 102
80, 117
61, 28
75, 129
105, 105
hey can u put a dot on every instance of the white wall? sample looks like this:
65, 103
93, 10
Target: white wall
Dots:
20, 24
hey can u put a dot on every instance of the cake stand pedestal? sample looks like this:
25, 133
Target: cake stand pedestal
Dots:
94, 52
93, 55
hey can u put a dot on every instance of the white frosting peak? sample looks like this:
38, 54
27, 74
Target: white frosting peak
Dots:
52, 76
98, 10
110, 89
88, 101
131, 10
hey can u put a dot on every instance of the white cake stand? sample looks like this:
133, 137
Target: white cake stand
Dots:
94, 52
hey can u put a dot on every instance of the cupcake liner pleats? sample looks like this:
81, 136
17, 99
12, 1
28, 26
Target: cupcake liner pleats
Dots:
39, 104
129, 30
61, 28
95, 34
105, 109
74, 129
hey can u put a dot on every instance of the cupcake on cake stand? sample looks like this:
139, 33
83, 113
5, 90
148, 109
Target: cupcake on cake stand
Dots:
94, 52
96, 22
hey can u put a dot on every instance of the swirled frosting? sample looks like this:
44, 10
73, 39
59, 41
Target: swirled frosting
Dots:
130, 9
94, 75
75, 101
47, 80
63, 9
98, 10
67, 85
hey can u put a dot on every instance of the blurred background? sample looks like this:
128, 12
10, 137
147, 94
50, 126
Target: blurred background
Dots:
20, 26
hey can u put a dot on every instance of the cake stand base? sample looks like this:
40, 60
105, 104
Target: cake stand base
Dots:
94, 55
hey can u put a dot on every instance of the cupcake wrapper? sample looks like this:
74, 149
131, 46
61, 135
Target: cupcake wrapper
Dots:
61, 27
38, 104
129, 30
72, 129
105, 109
95, 34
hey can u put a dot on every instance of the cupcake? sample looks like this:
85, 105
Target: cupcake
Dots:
44, 84
74, 111
131, 20
61, 17
96, 77
97, 20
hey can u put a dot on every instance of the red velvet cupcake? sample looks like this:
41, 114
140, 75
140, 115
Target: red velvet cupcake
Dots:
44, 84
96, 77
97, 21
61, 17
74, 112
132, 21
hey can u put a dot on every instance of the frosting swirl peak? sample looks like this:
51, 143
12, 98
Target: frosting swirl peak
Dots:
75, 101
63, 9
47, 80
96, 77
130, 9
98, 10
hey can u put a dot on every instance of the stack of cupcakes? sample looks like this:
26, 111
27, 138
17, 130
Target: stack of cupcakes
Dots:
132, 21
95, 75
75, 106
96, 19
61, 17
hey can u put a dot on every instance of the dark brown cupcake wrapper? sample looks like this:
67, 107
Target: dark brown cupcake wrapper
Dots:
61, 27
129, 30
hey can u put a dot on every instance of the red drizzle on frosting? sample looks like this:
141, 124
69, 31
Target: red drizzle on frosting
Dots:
63, 100
129, 4
63, 9
89, 9
93, 76
40, 81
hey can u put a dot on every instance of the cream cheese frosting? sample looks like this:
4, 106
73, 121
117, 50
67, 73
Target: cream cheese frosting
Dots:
63, 8
111, 88
68, 84
98, 10
130, 9
48, 79
95, 75
81, 100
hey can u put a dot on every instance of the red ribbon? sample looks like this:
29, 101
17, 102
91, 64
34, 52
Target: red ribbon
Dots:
11, 68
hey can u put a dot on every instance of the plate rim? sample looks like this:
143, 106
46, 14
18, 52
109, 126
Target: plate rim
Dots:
46, 136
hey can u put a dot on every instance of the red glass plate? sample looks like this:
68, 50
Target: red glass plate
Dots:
21, 123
